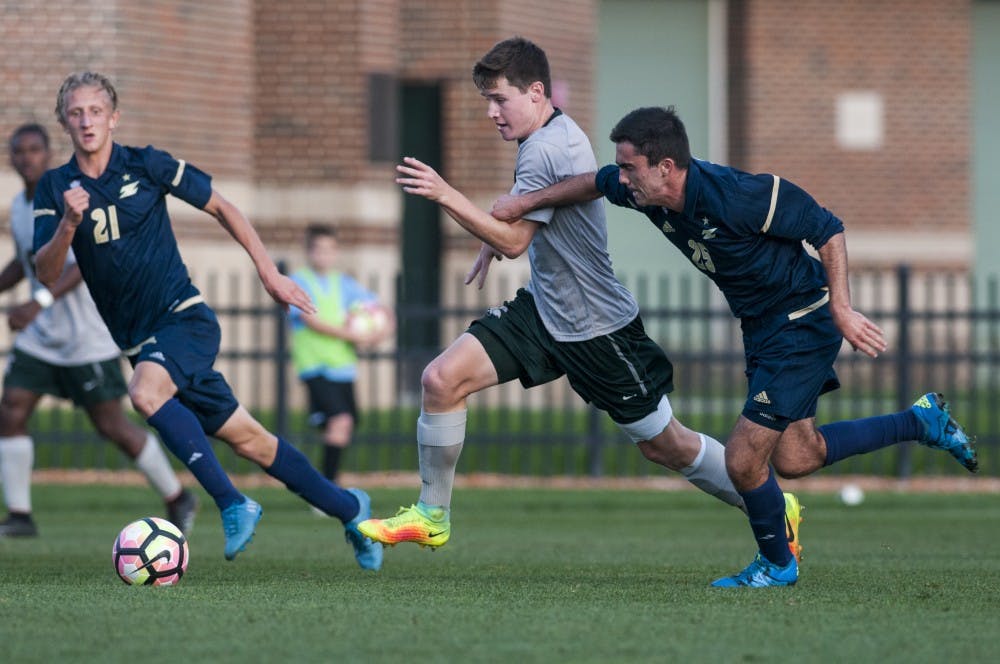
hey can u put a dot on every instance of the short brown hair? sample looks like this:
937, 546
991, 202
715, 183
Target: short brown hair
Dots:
315, 231
519, 60
656, 133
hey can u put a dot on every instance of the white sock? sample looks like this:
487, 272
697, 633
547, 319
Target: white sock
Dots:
440, 437
708, 473
17, 457
156, 467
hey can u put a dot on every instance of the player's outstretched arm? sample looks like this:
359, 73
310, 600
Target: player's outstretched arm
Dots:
577, 189
861, 333
510, 239
282, 289
51, 257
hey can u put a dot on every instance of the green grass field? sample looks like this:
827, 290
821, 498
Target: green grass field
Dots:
529, 576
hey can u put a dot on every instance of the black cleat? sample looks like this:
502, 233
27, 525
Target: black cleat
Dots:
18, 525
181, 511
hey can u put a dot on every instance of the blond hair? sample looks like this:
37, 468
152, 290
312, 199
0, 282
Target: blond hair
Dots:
79, 80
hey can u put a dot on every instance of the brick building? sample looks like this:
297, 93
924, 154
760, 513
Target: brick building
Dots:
300, 109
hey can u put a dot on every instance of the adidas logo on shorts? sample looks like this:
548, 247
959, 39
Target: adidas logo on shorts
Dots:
761, 397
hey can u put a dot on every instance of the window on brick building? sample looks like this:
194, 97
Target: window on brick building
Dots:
383, 114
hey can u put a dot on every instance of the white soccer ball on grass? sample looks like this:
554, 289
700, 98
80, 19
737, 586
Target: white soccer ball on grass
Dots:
852, 494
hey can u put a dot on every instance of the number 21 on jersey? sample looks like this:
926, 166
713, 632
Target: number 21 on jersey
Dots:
105, 224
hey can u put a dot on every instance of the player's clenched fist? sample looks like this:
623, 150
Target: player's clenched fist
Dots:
77, 201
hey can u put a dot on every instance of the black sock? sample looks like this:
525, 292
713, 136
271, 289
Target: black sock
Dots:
331, 461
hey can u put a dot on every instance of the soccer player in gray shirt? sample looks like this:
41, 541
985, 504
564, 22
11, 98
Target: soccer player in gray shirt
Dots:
573, 318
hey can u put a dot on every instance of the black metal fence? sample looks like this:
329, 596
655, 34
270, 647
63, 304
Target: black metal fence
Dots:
943, 330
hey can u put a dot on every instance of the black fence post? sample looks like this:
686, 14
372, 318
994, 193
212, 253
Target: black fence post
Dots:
904, 460
281, 366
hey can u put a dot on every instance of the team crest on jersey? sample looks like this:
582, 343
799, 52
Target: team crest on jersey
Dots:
707, 233
128, 189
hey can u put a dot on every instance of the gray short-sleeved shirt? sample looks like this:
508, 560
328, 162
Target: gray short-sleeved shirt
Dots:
70, 332
574, 286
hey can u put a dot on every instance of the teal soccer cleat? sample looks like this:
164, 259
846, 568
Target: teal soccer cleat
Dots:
239, 521
761, 573
367, 552
942, 432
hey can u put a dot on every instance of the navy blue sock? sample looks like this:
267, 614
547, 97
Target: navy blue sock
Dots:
766, 509
850, 437
293, 468
181, 432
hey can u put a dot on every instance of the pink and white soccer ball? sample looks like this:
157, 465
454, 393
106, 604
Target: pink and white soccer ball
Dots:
150, 552
368, 318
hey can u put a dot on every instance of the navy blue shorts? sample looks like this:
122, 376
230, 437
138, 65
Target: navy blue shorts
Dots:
186, 346
789, 365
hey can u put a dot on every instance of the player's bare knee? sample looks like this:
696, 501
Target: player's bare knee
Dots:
436, 383
744, 474
143, 400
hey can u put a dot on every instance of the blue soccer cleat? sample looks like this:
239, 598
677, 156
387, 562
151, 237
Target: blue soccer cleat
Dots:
942, 432
239, 521
761, 573
367, 552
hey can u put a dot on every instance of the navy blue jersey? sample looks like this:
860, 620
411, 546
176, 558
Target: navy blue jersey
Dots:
745, 233
125, 246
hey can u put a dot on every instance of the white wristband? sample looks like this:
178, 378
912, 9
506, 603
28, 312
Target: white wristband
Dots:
43, 297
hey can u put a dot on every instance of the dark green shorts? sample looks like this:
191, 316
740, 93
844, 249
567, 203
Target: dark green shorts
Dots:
83, 384
623, 373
